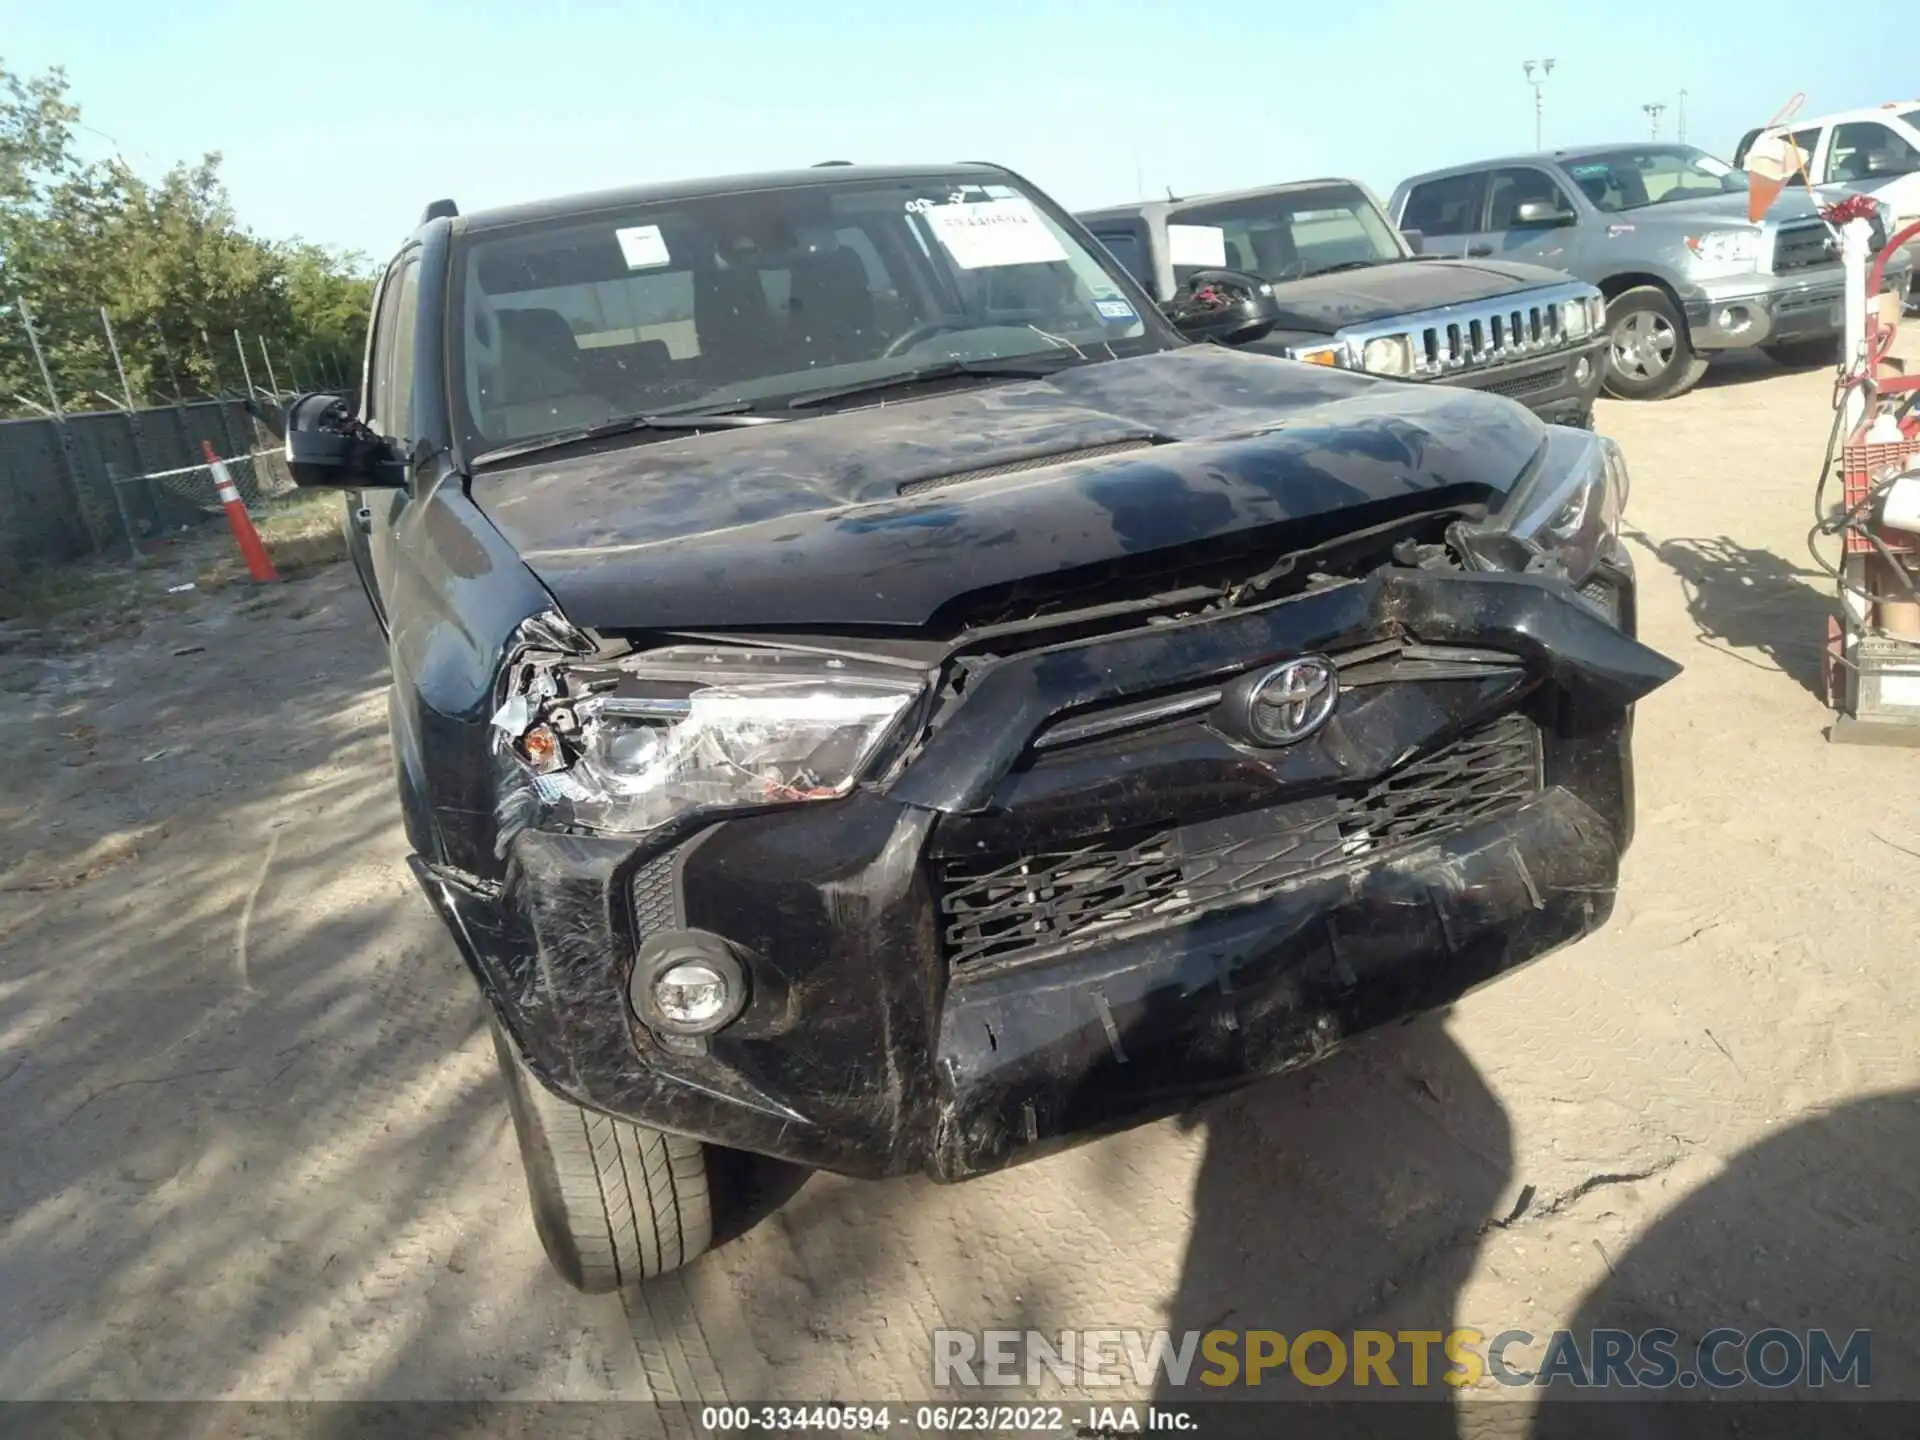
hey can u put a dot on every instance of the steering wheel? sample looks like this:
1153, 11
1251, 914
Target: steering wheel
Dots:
913, 335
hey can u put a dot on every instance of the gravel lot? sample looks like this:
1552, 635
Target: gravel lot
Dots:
253, 1145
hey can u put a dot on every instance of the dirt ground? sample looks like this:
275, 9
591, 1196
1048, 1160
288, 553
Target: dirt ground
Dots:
251, 1143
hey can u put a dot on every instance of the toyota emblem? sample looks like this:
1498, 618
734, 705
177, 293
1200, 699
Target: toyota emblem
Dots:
1293, 700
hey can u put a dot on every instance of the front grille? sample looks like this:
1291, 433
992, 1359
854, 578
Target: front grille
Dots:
1520, 386
995, 909
1490, 335
1804, 247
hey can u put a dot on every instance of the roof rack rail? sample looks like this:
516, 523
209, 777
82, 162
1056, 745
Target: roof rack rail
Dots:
438, 209
819, 164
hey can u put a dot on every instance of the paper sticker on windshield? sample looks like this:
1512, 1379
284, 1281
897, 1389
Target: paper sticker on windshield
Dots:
643, 246
1117, 310
1589, 172
1204, 245
986, 234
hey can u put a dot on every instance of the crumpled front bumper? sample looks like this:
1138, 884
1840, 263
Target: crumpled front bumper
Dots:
865, 1049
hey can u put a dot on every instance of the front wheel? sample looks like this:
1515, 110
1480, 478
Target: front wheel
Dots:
1648, 354
614, 1203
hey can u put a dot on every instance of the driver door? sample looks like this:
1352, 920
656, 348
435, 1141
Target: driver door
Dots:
388, 410
1506, 238
1875, 158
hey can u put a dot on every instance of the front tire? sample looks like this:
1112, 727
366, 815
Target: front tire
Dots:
1649, 356
614, 1203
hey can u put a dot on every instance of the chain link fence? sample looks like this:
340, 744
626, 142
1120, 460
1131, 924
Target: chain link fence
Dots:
151, 505
104, 482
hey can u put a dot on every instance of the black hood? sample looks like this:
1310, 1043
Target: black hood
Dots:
804, 523
1323, 304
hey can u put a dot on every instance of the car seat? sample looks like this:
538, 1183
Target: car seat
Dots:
830, 317
540, 384
731, 318
1275, 256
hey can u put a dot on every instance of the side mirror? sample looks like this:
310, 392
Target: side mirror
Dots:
327, 449
1229, 306
1542, 214
1416, 242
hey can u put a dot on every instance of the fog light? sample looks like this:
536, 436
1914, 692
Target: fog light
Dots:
691, 995
1734, 318
686, 985
1582, 371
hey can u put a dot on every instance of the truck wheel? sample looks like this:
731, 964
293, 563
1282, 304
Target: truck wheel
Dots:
614, 1203
1648, 354
1805, 354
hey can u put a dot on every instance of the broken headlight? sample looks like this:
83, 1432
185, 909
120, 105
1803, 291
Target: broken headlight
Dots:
1564, 515
626, 745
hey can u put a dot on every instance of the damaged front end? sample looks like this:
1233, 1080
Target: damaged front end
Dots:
947, 900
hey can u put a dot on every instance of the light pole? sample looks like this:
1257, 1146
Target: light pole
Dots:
1683, 117
1545, 67
1654, 112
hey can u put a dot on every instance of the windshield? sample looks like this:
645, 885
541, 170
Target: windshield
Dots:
757, 297
1631, 179
1283, 235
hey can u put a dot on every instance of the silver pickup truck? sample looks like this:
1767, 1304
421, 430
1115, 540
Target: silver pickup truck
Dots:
1662, 229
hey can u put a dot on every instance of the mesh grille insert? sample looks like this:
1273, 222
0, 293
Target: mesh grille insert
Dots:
655, 907
998, 908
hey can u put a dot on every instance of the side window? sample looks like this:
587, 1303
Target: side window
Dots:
396, 412
1509, 189
1746, 144
1123, 243
375, 392
1808, 144
1446, 207
1868, 151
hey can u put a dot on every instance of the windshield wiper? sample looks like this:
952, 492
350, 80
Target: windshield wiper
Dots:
730, 416
1017, 367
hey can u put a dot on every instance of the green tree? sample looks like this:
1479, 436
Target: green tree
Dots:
168, 260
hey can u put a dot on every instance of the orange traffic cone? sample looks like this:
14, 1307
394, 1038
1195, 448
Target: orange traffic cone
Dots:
259, 563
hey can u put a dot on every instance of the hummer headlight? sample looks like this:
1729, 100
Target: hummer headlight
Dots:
1387, 355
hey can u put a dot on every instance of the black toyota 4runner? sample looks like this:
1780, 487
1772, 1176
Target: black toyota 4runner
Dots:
867, 690
1354, 292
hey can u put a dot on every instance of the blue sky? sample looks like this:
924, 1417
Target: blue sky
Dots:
339, 121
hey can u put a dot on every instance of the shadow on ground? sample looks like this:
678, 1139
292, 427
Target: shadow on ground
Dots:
253, 1141
1750, 604
1351, 1196
1813, 1229
1741, 367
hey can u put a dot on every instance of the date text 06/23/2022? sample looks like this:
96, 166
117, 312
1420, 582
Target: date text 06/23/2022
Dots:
961, 1419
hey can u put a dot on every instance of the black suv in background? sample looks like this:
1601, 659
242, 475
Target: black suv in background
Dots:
866, 690
1354, 293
